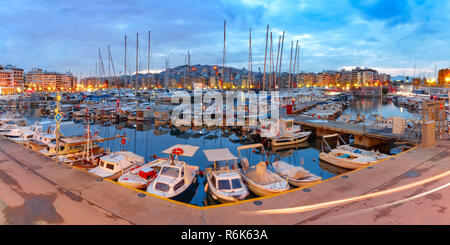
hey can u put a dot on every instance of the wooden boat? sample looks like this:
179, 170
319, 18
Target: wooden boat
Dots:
140, 177
224, 184
176, 179
346, 156
258, 178
115, 164
295, 175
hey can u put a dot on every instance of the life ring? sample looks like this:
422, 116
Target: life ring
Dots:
96, 134
177, 151
123, 141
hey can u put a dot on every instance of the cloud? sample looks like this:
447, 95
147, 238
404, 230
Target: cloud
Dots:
66, 35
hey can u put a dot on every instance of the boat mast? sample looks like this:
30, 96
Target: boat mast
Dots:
223, 59
137, 55
298, 64
125, 66
290, 62
281, 56
270, 64
148, 64
265, 57
295, 62
276, 66
189, 71
249, 78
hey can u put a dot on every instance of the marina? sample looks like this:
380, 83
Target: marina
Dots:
297, 164
194, 115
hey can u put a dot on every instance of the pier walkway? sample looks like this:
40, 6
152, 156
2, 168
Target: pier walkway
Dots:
35, 190
354, 129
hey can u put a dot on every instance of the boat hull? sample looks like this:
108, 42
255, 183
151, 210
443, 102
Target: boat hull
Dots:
341, 162
276, 143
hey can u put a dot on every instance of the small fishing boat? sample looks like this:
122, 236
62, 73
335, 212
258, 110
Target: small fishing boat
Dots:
224, 184
295, 175
347, 156
258, 178
115, 164
176, 179
289, 134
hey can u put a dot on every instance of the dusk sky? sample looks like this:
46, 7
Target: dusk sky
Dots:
64, 35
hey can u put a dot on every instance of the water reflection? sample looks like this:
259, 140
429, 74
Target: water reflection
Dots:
367, 106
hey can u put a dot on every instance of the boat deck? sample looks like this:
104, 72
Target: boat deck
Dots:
36, 190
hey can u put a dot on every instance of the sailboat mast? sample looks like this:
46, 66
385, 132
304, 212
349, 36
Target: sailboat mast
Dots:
298, 65
249, 59
265, 57
137, 55
276, 66
270, 64
223, 59
148, 63
295, 62
281, 56
125, 63
290, 62
189, 70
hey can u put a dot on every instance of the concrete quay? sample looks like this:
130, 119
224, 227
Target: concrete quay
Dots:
36, 190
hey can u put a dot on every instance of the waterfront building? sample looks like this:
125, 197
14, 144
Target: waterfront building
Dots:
444, 77
41, 80
11, 79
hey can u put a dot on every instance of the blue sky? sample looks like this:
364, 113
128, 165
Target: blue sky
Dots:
63, 35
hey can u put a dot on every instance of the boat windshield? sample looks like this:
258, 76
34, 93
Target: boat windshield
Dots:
224, 185
162, 187
236, 183
169, 171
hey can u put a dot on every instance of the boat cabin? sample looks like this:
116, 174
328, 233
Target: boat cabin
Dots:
224, 176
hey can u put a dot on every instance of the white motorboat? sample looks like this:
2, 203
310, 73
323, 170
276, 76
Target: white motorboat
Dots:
347, 156
258, 178
224, 183
117, 163
295, 175
176, 179
289, 134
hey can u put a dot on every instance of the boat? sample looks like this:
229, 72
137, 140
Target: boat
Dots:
115, 164
259, 179
176, 179
289, 134
224, 184
295, 175
347, 156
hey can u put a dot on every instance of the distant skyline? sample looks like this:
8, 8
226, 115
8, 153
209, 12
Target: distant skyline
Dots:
389, 36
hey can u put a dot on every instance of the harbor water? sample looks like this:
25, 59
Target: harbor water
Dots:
148, 140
